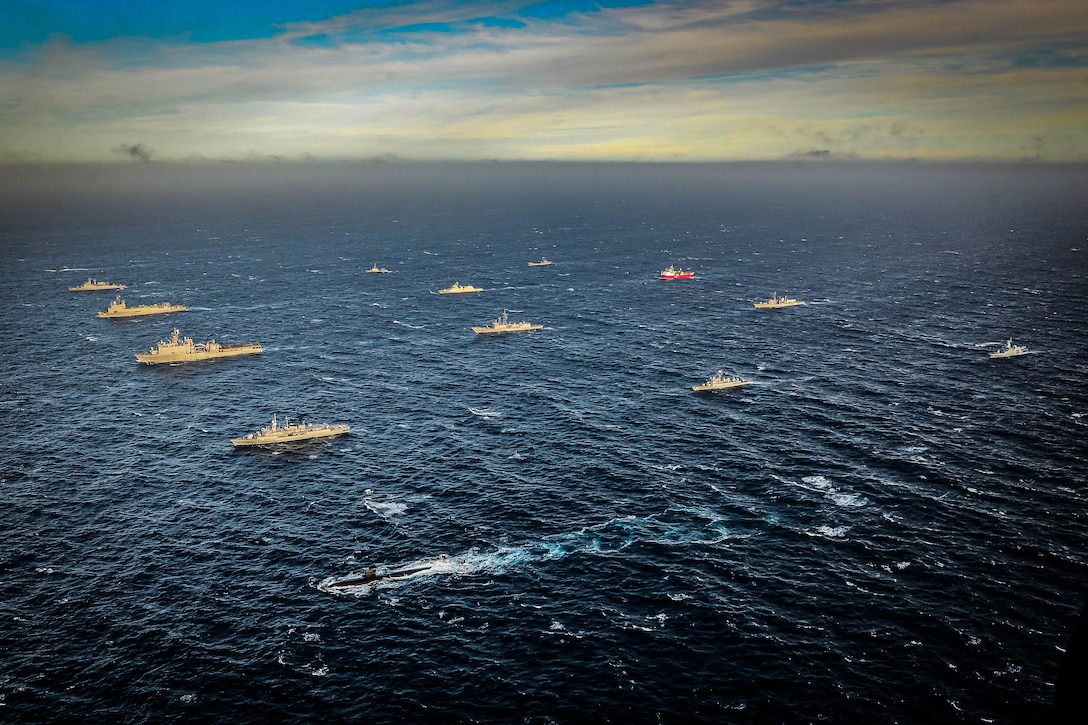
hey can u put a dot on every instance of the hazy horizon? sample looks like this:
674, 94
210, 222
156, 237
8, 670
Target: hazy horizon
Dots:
40, 193
28, 177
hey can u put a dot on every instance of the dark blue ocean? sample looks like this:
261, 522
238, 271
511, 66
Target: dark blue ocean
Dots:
886, 527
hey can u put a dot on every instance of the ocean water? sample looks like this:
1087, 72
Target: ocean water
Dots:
886, 526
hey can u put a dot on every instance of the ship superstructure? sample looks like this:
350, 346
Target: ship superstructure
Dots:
503, 324
1009, 350
776, 302
93, 285
458, 288
179, 350
673, 273
289, 432
720, 381
118, 308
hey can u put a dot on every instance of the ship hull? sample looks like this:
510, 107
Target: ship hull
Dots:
685, 275
1011, 353
459, 291
141, 311
182, 357
777, 305
501, 330
96, 288
290, 437
719, 386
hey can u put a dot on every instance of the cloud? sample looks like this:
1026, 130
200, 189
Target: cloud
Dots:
135, 151
821, 155
755, 78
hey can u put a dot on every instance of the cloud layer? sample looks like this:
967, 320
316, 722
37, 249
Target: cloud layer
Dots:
753, 79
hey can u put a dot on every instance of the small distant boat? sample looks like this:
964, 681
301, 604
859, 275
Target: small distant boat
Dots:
1010, 350
118, 308
542, 263
672, 273
503, 324
459, 288
720, 381
289, 432
775, 302
178, 350
93, 285
377, 270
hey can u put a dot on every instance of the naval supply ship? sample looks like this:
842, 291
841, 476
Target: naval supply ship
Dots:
93, 285
177, 350
459, 288
503, 324
775, 302
720, 381
119, 309
289, 432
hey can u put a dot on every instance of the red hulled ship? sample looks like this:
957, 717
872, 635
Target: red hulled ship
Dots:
672, 273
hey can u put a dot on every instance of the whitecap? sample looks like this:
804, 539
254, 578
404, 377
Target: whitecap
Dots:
386, 509
603, 539
849, 499
831, 532
472, 562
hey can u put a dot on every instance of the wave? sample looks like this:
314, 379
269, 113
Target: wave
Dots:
824, 486
610, 538
386, 509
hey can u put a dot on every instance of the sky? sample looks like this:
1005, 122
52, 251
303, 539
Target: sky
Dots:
155, 81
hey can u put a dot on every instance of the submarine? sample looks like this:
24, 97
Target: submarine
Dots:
372, 575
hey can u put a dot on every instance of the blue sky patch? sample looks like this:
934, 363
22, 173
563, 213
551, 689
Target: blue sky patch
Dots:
202, 21
552, 9
321, 40
1068, 57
